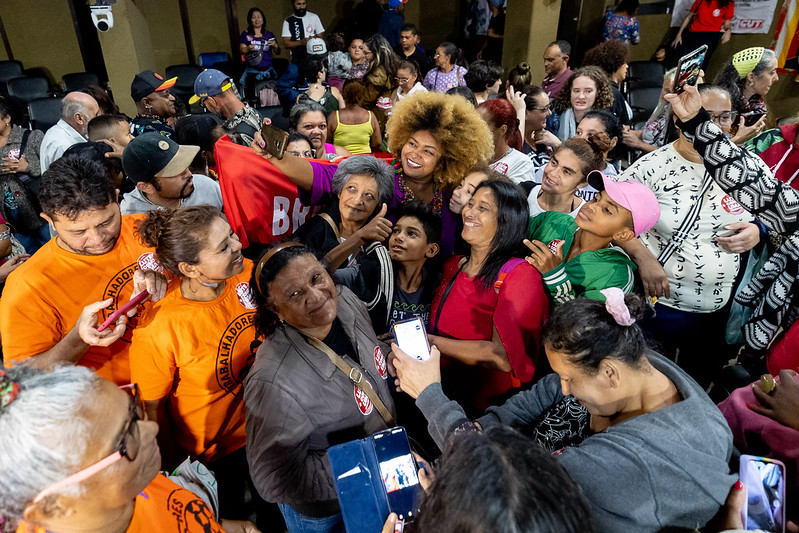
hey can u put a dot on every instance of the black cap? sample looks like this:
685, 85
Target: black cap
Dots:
152, 155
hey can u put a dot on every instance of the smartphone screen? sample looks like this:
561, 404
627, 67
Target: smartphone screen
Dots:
751, 120
764, 480
412, 338
398, 471
689, 68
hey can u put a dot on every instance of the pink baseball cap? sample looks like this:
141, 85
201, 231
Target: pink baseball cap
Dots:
631, 195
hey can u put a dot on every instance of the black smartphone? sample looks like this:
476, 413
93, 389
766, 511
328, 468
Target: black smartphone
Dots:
751, 120
398, 472
275, 139
411, 337
764, 480
688, 69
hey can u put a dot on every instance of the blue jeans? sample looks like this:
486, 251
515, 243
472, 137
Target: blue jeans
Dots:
298, 523
260, 74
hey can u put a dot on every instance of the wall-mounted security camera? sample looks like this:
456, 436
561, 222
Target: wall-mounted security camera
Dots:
102, 17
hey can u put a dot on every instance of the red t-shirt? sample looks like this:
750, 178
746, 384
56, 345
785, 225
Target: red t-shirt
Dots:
709, 16
471, 312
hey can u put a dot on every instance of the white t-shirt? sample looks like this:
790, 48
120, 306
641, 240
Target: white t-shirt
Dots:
701, 272
536, 209
515, 165
313, 26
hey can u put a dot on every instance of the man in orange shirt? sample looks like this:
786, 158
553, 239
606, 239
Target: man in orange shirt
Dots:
50, 305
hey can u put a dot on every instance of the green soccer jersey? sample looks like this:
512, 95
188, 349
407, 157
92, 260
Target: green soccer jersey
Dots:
586, 274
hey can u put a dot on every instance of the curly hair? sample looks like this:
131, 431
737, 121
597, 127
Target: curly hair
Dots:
609, 56
604, 92
463, 136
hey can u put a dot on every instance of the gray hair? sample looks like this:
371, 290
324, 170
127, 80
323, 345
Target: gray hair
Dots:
43, 437
338, 64
768, 61
299, 111
565, 47
70, 106
369, 165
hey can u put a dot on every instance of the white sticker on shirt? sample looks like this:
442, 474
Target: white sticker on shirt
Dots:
245, 295
501, 167
147, 261
363, 401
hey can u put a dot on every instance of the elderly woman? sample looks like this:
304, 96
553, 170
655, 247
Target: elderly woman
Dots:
435, 140
447, 73
319, 379
78, 454
19, 160
749, 75
488, 310
310, 119
632, 418
586, 89
364, 186
183, 355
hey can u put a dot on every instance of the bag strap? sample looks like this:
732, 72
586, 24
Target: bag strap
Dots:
356, 376
506, 269
24, 143
444, 297
682, 230
327, 218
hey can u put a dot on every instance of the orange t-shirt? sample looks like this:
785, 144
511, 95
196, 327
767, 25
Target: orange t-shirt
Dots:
44, 297
197, 353
163, 507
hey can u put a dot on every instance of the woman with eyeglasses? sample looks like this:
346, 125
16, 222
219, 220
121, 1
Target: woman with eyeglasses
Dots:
407, 81
191, 349
689, 260
447, 73
538, 141
78, 454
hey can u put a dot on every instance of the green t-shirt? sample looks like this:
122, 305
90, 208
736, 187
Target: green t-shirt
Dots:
586, 274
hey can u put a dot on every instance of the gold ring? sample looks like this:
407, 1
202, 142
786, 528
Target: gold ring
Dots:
767, 383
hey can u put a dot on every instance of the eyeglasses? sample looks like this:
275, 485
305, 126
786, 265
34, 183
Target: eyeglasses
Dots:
545, 108
724, 118
306, 154
401, 80
128, 447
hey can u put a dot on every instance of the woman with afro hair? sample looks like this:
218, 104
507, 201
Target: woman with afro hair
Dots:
435, 139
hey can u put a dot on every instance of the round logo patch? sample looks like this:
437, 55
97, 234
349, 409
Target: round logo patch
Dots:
731, 206
163, 145
147, 261
501, 167
380, 362
363, 401
234, 354
717, 12
244, 293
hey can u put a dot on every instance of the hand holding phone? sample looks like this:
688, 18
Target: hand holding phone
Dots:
398, 471
275, 140
411, 337
764, 481
688, 69
136, 300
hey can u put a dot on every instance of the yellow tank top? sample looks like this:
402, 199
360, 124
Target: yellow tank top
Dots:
354, 137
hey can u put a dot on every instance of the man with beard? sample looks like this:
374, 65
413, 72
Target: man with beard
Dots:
160, 168
155, 107
53, 303
213, 89
299, 28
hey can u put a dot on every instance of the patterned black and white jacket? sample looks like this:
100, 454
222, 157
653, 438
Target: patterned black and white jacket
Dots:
773, 289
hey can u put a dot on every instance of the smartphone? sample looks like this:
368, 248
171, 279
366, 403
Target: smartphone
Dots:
688, 69
13, 153
764, 480
136, 300
398, 472
751, 120
412, 338
276, 140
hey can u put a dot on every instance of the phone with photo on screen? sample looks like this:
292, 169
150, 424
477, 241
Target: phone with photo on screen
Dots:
764, 480
398, 472
412, 338
275, 139
688, 69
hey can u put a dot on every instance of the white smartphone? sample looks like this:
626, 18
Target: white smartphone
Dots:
764, 480
412, 338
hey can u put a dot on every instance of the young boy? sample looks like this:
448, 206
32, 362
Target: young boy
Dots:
111, 127
575, 256
399, 288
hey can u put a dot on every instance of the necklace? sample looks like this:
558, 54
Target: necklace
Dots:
408, 194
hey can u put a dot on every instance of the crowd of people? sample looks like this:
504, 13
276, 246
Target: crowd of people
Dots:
583, 284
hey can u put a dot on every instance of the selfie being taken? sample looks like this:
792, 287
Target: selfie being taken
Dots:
386, 266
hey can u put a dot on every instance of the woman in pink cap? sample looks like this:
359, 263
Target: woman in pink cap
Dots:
575, 256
